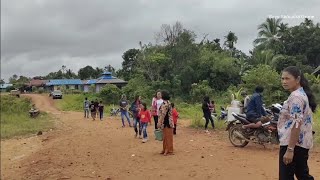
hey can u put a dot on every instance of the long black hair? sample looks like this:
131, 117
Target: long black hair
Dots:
296, 72
206, 99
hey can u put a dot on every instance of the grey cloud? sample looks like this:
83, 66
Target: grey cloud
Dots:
39, 36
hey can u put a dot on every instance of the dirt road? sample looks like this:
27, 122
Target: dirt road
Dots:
82, 149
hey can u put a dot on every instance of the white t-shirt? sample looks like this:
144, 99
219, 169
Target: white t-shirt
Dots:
158, 102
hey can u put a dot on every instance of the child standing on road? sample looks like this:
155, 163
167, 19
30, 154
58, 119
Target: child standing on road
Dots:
145, 118
175, 116
93, 110
101, 107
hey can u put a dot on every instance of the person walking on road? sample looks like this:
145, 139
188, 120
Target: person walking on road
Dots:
86, 108
156, 103
124, 110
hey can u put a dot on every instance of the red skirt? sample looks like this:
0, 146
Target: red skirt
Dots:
167, 140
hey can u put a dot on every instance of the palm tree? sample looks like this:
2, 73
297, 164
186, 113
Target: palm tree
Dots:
231, 39
267, 57
269, 32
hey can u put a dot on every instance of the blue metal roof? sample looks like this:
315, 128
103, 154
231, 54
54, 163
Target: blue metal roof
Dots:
4, 86
91, 81
54, 82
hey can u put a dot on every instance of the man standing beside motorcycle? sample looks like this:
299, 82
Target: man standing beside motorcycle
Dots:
255, 110
295, 126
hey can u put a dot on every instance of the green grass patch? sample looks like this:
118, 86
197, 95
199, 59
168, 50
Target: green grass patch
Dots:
74, 102
15, 120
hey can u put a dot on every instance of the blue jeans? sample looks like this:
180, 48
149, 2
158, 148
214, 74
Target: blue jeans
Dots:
136, 121
86, 113
126, 114
144, 126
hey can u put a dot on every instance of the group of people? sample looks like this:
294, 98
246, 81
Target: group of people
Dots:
95, 108
294, 124
163, 112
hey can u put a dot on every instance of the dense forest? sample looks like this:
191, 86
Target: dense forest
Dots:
190, 66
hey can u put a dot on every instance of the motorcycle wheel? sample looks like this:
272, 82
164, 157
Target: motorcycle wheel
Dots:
233, 137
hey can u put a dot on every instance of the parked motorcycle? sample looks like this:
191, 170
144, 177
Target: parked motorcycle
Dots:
267, 133
223, 114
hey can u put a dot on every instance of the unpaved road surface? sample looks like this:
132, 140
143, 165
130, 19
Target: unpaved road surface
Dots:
79, 148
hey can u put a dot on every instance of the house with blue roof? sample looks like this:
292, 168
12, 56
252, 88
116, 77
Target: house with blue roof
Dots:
55, 84
105, 79
3, 87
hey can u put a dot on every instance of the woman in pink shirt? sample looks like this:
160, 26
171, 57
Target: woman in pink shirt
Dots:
295, 126
156, 103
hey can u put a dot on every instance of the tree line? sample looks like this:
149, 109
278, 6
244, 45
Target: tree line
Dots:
189, 67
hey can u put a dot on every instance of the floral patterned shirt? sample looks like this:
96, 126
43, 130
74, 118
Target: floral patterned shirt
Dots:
295, 112
164, 109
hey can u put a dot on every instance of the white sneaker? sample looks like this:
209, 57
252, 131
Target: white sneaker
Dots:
207, 131
144, 140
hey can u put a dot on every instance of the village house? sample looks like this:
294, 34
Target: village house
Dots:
99, 83
3, 87
56, 84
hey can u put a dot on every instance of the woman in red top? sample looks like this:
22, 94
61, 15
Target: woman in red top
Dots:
175, 116
145, 118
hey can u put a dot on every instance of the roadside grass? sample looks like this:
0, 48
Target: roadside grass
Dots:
73, 102
15, 120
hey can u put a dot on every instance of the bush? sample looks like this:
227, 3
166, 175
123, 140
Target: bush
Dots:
268, 78
34, 89
198, 91
138, 86
110, 94
8, 89
40, 90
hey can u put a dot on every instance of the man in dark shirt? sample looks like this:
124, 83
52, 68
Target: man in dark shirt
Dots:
124, 110
101, 107
96, 106
255, 109
93, 111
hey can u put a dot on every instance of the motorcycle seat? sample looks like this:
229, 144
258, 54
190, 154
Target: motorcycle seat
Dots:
241, 118
242, 115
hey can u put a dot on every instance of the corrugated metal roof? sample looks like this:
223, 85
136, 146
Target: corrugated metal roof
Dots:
111, 81
91, 81
4, 86
54, 82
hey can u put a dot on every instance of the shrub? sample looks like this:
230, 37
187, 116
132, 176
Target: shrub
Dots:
198, 91
110, 94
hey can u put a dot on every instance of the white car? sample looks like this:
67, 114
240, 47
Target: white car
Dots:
57, 94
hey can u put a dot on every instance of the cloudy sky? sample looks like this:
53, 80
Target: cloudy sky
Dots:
39, 36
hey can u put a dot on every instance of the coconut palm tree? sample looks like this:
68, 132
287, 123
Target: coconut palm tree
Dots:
231, 40
269, 32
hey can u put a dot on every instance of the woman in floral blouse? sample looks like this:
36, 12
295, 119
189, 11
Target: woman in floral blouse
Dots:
166, 123
295, 126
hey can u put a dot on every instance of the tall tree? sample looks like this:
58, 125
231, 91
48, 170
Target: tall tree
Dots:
230, 40
13, 79
89, 72
129, 64
268, 34
169, 33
